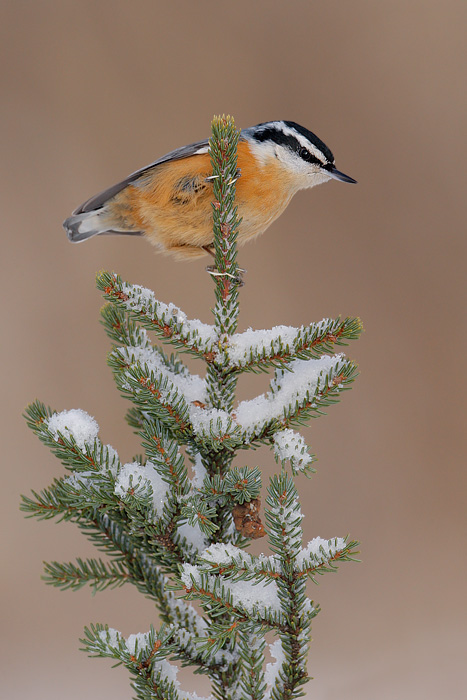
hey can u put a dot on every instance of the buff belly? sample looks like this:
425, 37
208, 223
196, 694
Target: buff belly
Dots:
171, 204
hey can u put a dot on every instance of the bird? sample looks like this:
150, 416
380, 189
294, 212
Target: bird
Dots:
169, 202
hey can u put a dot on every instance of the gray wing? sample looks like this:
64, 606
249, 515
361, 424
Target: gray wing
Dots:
100, 199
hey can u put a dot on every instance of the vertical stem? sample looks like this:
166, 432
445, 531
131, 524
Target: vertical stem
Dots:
221, 383
223, 149
285, 538
252, 648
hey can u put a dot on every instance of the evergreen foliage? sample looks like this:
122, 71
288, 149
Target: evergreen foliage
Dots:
173, 536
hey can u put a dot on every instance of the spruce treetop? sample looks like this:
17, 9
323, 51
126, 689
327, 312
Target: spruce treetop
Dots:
177, 521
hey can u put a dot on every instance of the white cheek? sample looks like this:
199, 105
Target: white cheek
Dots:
291, 162
318, 177
301, 173
306, 174
263, 152
310, 178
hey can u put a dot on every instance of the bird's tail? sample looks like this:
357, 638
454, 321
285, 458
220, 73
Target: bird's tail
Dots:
79, 227
85, 225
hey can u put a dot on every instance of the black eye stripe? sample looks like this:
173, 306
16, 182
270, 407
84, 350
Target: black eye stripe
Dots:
276, 135
312, 138
309, 157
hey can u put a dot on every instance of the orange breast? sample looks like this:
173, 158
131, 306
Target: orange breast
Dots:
263, 192
172, 202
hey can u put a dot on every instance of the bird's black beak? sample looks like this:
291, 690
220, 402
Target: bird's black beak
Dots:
337, 175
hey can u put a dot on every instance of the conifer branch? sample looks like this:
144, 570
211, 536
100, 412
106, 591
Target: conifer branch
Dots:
50, 503
285, 533
252, 647
260, 350
244, 602
294, 398
94, 572
152, 391
233, 564
167, 321
144, 655
123, 331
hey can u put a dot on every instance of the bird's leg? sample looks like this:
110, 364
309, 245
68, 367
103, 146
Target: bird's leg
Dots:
209, 249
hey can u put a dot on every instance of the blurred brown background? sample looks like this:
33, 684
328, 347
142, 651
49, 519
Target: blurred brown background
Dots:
93, 90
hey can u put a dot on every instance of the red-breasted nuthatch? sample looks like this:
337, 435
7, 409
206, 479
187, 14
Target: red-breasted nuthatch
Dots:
169, 201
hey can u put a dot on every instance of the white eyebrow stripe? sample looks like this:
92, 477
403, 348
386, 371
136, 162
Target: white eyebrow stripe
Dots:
302, 140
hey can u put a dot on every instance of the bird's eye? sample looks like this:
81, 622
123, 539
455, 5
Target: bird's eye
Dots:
303, 153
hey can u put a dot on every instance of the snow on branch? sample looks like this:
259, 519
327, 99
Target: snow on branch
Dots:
322, 556
166, 320
144, 498
234, 563
243, 599
152, 390
124, 331
260, 349
143, 654
191, 386
178, 400
140, 482
296, 393
289, 446
73, 437
75, 424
